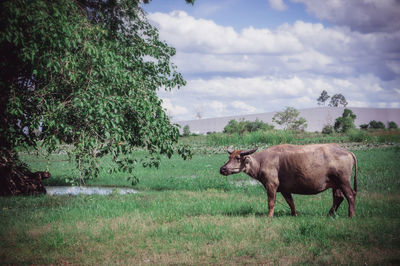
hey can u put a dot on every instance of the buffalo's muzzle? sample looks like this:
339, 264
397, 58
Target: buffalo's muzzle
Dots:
223, 170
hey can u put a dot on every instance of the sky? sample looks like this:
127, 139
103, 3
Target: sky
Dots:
245, 57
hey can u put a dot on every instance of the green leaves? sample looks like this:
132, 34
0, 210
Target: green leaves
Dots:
290, 120
345, 122
87, 72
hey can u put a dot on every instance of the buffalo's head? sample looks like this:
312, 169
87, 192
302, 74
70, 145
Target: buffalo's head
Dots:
236, 162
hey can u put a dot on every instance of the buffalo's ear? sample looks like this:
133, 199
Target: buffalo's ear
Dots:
229, 150
243, 153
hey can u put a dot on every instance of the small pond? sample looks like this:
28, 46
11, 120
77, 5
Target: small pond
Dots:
67, 190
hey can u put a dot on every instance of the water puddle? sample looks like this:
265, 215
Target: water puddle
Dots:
66, 190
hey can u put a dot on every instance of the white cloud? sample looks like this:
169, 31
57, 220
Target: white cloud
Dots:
204, 36
244, 108
277, 4
244, 88
172, 109
206, 47
233, 72
361, 15
225, 96
210, 108
394, 66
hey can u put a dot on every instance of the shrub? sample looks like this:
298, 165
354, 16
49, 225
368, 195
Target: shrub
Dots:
364, 126
357, 135
345, 122
271, 137
376, 124
328, 129
244, 126
392, 125
186, 131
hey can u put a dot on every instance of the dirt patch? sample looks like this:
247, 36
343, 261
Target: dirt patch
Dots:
378, 196
39, 231
362, 255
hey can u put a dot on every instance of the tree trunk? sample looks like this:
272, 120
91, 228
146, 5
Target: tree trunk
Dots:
16, 179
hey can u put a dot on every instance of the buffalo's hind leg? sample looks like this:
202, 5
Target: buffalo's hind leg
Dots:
350, 195
338, 198
289, 200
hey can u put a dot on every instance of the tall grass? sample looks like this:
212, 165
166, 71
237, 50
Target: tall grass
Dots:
379, 136
271, 137
274, 137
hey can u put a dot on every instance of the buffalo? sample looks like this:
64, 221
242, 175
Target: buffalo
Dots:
298, 169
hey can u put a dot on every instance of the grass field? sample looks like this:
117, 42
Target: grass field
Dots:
186, 213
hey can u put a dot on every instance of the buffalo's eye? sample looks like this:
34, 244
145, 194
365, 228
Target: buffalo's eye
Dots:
237, 158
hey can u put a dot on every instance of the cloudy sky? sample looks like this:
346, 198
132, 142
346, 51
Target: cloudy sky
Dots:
243, 57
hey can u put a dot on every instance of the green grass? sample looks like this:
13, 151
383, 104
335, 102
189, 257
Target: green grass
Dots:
186, 213
274, 137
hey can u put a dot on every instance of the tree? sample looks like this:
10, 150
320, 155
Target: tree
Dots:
323, 98
345, 122
392, 125
252, 126
337, 100
86, 73
327, 129
234, 126
290, 120
186, 131
376, 124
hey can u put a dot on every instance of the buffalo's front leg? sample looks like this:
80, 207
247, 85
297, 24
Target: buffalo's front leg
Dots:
289, 200
271, 192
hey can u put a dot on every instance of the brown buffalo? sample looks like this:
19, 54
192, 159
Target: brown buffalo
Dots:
306, 170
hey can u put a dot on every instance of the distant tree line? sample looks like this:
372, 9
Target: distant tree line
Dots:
289, 119
373, 124
346, 122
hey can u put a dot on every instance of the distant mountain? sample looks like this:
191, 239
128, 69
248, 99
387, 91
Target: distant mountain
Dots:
316, 118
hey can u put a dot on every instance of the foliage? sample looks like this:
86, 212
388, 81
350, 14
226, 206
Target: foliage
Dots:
290, 120
86, 73
392, 125
357, 135
270, 137
323, 97
376, 124
327, 129
364, 126
186, 131
338, 100
345, 122
244, 126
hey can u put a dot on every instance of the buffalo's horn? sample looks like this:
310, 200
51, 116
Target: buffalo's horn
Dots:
229, 150
243, 153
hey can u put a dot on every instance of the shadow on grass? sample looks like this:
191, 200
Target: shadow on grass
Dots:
250, 211
57, 181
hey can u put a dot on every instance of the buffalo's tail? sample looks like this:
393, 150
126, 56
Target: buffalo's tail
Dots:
355, 171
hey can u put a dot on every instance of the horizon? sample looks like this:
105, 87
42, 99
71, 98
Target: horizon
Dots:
308, 108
